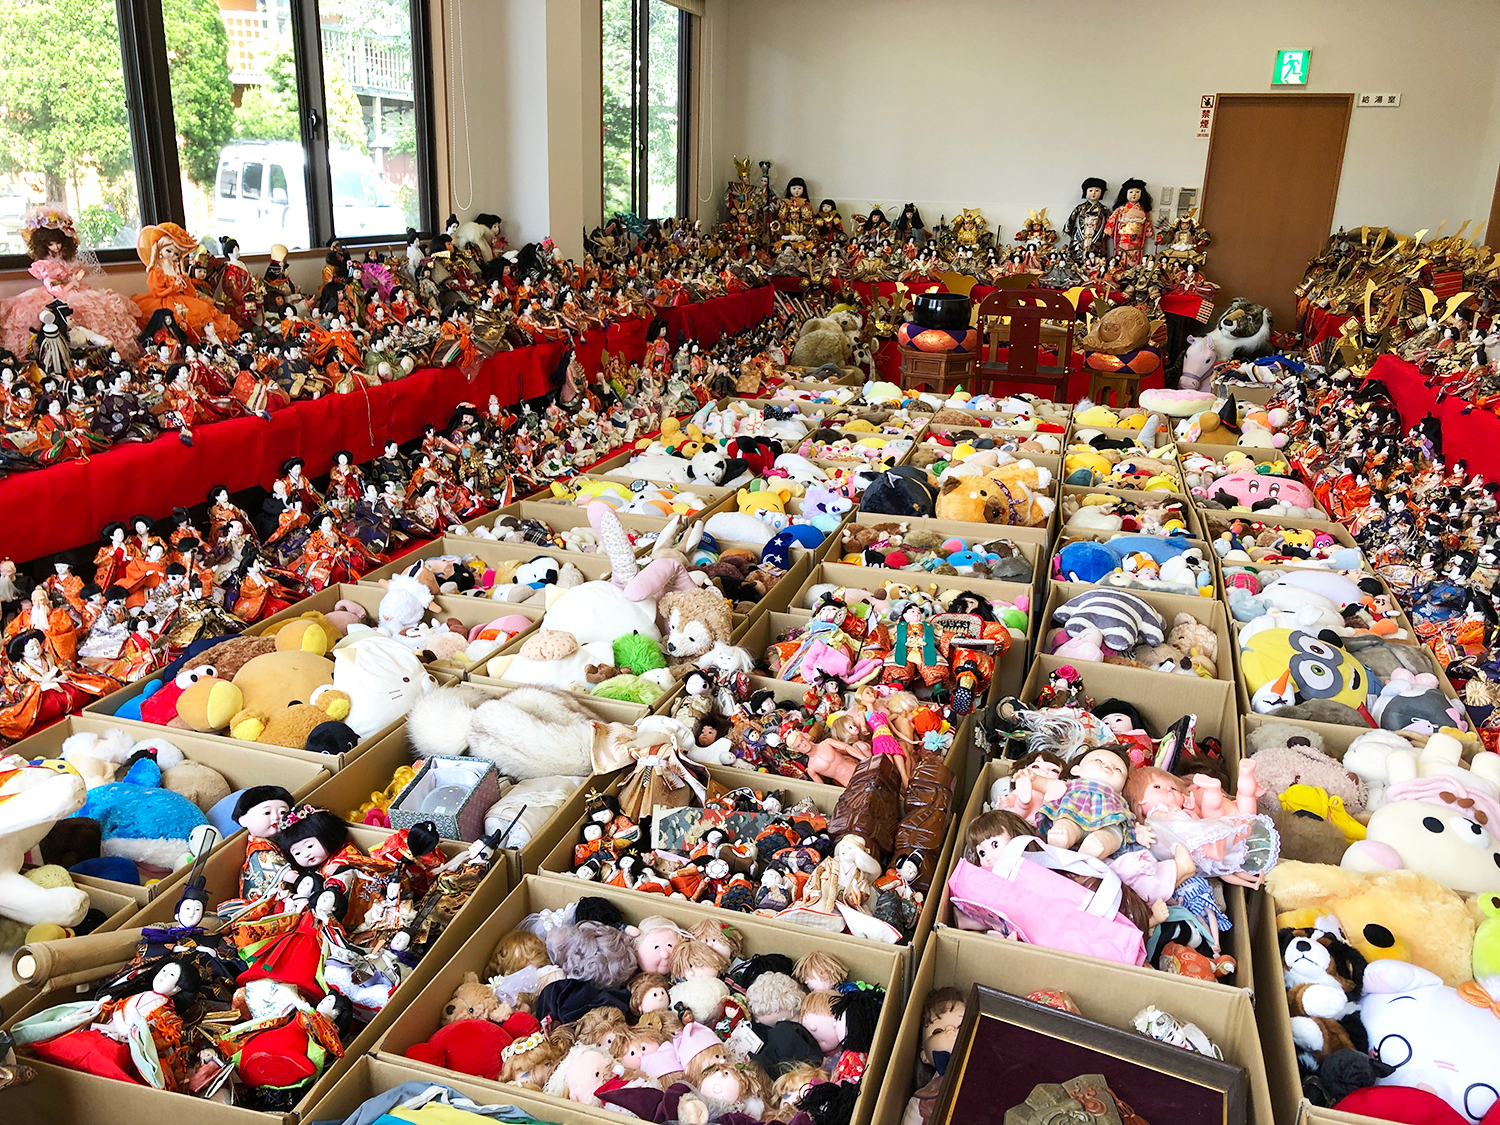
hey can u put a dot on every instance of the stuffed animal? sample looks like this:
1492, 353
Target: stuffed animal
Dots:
1244, 329
34, 797
1432, 1036
1124, 619
529, 732
474, 1000
141, 821
696, 621
1368, 759
382, 679
1393, 914
1323, 975
830, 339
1287, 755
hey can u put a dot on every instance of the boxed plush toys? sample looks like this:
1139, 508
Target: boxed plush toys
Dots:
1170, 633
824, 1003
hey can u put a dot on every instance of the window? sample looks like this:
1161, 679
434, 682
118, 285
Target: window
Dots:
57, 146
275, 121
645, 65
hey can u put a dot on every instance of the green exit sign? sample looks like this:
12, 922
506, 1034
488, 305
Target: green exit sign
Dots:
1292, 68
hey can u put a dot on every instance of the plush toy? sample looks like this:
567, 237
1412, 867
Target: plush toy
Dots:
1323, 976
473, 1046
528, 732
600, 611
409, 596
696, 621
1124, 619
1368, 758
826, 340
474, 1000
1284, 668
1287, 755
1393, 914
1432, 1036
34, 797
382, 678
141, 821
901, 491
1442, 825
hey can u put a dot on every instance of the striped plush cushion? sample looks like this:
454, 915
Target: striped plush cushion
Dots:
1125, 619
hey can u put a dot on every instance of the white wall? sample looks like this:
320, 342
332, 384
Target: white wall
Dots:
1009, 105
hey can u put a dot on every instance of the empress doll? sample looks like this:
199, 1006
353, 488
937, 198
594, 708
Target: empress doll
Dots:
52, 242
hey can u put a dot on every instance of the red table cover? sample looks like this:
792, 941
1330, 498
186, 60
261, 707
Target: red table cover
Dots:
1475, 436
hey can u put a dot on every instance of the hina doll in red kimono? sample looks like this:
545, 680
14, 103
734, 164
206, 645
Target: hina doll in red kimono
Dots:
257, 594
1129, 224
38, 691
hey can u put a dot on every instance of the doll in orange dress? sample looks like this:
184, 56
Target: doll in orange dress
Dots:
1129, 224
145, 573
257, 594
165, 250
37, 691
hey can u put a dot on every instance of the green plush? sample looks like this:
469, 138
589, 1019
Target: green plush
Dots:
637, 653
629, 689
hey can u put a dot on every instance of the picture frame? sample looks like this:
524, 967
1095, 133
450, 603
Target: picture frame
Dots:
1007, 1045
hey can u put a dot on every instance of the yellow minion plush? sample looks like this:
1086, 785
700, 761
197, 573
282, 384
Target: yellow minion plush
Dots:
1283, 667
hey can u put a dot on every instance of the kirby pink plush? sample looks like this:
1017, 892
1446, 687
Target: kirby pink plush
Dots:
1248, 489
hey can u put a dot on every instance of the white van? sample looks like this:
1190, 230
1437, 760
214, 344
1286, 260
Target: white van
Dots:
260, 196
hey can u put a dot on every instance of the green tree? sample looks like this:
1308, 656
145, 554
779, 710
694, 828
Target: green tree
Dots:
617, 104
202, 94
270, 112
346, 120
62, 91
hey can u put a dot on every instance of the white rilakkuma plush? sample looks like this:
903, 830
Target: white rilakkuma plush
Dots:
382, 678
1434, 1038
32, 800
529, 732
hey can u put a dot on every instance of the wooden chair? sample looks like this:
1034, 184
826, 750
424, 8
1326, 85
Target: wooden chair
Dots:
1021, 333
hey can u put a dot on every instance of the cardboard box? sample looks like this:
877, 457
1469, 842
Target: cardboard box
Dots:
98, 1099
241, 764
372, 1075
1078, 492
558, 863
470, 612
1162, 699
1207, 611
488, 552
118, 907
866, 961
1237, 943
353, 786
1274, 1016
1105, 993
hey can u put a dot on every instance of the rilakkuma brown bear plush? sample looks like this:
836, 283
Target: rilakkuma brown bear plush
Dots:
293, 727
475, 1000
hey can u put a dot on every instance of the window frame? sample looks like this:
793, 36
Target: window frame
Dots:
640, 108
153, 129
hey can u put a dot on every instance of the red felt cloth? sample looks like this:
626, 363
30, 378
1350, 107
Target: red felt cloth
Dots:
1475, 436
64, 506
92, 1052
1406, 1104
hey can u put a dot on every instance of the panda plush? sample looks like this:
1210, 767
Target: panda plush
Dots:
540, 571
712, 468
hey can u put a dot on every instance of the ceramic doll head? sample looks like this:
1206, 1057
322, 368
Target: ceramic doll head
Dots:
260, 809
192, 905
310, 836
989, 833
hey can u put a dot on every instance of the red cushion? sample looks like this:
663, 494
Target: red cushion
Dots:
92, 1052
1405, 1104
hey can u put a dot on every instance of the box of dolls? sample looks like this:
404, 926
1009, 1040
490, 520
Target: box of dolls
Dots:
1101, 513
753, 845
280, 962
660, 1007
109, 908
460, 634
1216, 1023
540, 801
1176, 913
143, 814
1167, 634
376, 1085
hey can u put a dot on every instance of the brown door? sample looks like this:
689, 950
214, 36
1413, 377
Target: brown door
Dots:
1269, 191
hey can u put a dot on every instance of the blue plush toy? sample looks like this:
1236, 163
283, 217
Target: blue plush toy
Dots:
778, 549
1085, 561
140, 820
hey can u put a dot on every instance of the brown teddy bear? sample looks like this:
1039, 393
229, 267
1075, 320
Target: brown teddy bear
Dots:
475, 1000
291, 726
1197, 642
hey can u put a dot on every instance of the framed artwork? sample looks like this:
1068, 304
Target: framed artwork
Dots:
1007, 1048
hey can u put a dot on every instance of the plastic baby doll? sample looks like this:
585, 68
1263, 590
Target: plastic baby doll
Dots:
883, 738
1025, 791
1091, 814
1238, 846
1125, 723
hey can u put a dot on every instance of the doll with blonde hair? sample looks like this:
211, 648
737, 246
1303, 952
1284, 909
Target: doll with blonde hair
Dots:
899, 705
648, 993
694, 958
720, 936
793, 1084
600, 1027
530, 1061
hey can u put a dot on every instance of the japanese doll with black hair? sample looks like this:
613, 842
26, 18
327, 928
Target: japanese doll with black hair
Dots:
1130, 224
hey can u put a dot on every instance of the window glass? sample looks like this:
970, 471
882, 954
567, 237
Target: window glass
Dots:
663, 98
641, 105
64, 125
372, 136
618, 105
227, 181
234, 97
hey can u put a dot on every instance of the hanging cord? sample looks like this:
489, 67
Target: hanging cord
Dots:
706, 83
456, 6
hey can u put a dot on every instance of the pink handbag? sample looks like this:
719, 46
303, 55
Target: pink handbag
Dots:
1026, 896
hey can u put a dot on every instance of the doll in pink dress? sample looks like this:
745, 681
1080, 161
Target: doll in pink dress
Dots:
1230, 841
102, 313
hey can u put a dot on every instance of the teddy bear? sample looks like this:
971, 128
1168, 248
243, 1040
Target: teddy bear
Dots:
1197, 642
317, 725
1286, 754
824, 340
475, 1000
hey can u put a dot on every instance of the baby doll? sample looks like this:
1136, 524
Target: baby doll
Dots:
1128, 728
648, 993
1238, 847
595, 952
655, 939
1030, 783
820, 972
989, 833
1091, 815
